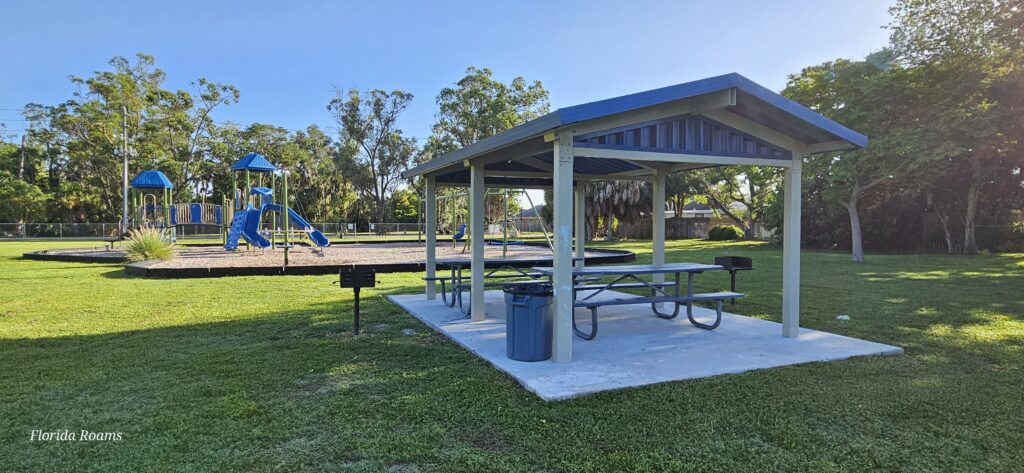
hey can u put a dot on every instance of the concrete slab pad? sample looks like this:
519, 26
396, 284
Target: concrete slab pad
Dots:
635, 348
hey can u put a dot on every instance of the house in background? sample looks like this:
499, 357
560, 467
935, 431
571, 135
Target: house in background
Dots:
697, 210
528, 220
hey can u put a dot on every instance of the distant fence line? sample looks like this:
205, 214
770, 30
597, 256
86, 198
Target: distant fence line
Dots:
676, 228
25, 231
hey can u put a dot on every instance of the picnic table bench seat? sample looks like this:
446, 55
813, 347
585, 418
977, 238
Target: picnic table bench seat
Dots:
676, 301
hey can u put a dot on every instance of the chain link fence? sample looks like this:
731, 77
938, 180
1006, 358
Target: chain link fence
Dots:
36, 231
25, 231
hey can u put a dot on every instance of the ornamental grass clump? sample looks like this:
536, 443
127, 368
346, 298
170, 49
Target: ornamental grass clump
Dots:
149, 243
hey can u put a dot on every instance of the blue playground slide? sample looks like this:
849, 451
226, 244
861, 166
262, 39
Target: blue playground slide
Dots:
247, 225
318, 238
251, 230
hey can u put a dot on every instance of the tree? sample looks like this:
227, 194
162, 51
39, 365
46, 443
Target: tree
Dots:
480, 106
19, 201
873, 97
405, 206
323, 188
624, 201
753, 187
369, 130
969, 54
84, 138
681, 186
180, 124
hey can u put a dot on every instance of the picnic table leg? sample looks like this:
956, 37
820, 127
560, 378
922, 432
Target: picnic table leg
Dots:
689, 293
457, 290
718, 318
675, 305
593, 325
444, 293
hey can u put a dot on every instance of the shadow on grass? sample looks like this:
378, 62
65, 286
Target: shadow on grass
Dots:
261, 381
295, 389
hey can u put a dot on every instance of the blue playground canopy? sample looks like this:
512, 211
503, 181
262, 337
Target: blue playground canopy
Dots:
253, 162
151, 180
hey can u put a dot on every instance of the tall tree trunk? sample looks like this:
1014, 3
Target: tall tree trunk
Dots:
748, 231
946, 231
51, 178
973, 190
944, 221
381, 209
856, 237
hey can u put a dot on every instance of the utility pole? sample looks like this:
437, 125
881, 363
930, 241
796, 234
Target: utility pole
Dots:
124, 170
21, 167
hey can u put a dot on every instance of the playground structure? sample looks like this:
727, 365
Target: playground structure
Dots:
256, 218
151, 210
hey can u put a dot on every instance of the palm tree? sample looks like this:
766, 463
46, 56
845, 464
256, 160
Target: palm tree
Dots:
622, 200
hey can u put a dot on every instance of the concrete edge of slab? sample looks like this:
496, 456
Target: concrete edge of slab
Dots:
884, 350
522, 382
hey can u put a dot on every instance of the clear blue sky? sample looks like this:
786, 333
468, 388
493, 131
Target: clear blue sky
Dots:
286, 56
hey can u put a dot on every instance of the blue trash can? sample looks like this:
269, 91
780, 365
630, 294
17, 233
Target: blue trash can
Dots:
528, 321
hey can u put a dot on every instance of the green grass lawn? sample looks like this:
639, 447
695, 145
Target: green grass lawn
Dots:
262, 373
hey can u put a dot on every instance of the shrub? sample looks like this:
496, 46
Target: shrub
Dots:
148, 243
725, 232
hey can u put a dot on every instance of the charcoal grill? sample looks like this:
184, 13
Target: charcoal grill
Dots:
734, 264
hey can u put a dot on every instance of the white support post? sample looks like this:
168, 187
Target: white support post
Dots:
561, 342
476, 235
581, 222
430, 194
658, 223
791, 250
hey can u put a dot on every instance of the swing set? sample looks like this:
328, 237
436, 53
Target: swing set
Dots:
453, 213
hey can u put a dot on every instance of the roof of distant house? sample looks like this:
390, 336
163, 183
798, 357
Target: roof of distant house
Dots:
532, 212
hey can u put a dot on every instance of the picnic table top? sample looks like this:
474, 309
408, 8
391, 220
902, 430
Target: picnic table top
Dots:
636, 269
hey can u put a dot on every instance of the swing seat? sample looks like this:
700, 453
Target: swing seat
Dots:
461, 233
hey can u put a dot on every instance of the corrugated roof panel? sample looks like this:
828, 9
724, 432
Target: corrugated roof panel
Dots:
753, 101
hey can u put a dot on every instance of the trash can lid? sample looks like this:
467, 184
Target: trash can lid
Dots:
528, 288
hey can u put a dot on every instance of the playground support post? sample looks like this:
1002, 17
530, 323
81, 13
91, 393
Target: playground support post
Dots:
287, 226
124, 171
223, 219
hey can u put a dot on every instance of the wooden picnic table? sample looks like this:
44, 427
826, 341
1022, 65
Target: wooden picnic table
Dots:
627, 276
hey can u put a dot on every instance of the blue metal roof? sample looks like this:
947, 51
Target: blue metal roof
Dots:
253, 162
755, 102
151, 180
